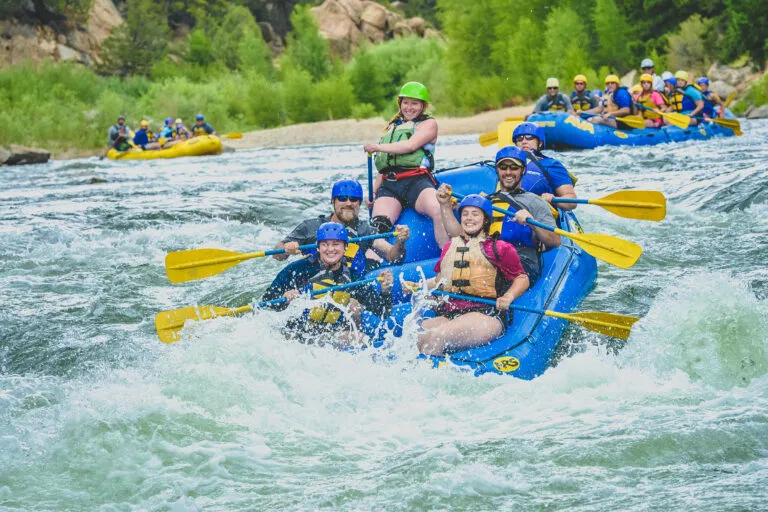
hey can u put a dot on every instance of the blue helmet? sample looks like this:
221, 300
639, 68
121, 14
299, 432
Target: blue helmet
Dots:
199, 117
511, 152
478, 201
168, 121
332, 231
529, 129
349, 188
703, 80
672, 80
598, 93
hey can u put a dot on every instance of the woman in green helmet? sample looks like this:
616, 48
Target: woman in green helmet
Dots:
405, 161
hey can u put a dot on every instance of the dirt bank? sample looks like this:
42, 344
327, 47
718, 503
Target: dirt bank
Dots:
367, 130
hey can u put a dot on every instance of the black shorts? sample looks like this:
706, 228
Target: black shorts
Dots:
406, 190
504, 317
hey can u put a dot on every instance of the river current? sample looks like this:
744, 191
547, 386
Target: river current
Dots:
97, 414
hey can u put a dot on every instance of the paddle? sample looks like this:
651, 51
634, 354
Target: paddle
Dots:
631, 121
613, 250
610, 324
234, 135
729, 99
731, 124
676, 119
370, 184
502, 134
193, 264
486, 139
169, 323
630, 204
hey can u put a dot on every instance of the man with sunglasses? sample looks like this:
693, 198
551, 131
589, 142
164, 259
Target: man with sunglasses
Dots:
647, 67
346, 197
529, 240
554, 100
544, 176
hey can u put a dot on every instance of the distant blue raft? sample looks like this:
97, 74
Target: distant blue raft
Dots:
566, 131
526, 349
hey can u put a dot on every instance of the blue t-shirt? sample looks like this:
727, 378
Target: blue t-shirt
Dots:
692, 95
622, 98
141, 138
535, 180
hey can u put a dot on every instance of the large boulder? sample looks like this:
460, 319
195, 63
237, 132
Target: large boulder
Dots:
758, 113
731, 76
721, 88
417, 25
402, 29
337, 27
373, 34
353, 8
375, 14
21, 155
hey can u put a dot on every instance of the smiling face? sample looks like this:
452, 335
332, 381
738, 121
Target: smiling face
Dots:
472, 220
612, 86
346, 211
579, 86
646, 86
510, 173
331, 252
527, 143
411, 108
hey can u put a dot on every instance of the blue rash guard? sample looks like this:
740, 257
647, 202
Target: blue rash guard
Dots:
543, 175
690, 96
622, 98
141, 138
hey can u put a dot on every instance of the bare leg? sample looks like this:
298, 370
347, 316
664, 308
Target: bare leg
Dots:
427, 204
388, 206
467, 331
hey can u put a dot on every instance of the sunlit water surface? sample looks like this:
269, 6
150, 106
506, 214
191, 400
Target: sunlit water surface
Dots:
97, 414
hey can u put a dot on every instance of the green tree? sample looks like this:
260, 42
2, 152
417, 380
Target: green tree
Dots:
200, 48
237, 25
255, 56
564, 45
306, 47
518, 59
139, 42
367, 82
612, 34
692, 47
746, 30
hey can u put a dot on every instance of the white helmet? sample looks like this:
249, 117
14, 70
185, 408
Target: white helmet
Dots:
647, 63
667, 74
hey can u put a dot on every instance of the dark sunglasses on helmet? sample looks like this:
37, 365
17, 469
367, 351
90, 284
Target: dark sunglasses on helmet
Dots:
510, 166
526, 136
344, 199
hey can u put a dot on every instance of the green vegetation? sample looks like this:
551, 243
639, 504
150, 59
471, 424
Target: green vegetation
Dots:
497, 52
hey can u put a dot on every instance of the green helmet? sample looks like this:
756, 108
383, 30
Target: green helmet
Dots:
414, 90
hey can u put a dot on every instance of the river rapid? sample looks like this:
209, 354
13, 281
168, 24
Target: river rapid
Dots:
97, 414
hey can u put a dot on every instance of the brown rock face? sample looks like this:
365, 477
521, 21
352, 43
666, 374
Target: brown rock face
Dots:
20, 155
348, 23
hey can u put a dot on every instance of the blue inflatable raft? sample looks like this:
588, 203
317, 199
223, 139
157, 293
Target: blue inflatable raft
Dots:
526, 349
566, 131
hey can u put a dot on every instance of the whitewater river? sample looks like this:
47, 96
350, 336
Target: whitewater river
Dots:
97, 414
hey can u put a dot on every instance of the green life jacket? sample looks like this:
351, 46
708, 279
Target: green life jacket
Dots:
386, 162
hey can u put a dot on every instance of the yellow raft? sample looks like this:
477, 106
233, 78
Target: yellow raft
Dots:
198, 146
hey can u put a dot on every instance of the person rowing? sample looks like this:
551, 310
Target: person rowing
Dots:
201, 127
617, 102
477, 264
528, 240
544, 176
405, 161
652, 100
119, 135
339, 316
714, 106
144, 138
346, 196
553, 100
581, 98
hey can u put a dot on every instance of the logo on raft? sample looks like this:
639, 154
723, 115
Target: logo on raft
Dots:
621, 135
581, 124
506, 364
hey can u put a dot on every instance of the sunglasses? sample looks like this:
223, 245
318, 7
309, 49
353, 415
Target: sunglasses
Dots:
508, 167
552, 88
344, 199
527, 136
647, 67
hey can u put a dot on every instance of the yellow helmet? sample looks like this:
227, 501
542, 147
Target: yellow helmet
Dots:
553, 82
580, 78
682, 75
612, 79
645, 77
636, 88
178, 121
144, 123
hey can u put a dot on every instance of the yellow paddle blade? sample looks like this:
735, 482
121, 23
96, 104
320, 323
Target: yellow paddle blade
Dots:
169, 323
635, 204
632, 121
679, 120
613, 250
505, 131
234, 135
488, 138
520, 119
729, 99
732, 124
183, 266
610, 324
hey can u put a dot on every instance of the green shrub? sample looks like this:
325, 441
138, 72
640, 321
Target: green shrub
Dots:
332, 98
264, 100
296, 96
306, 47
692, 48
